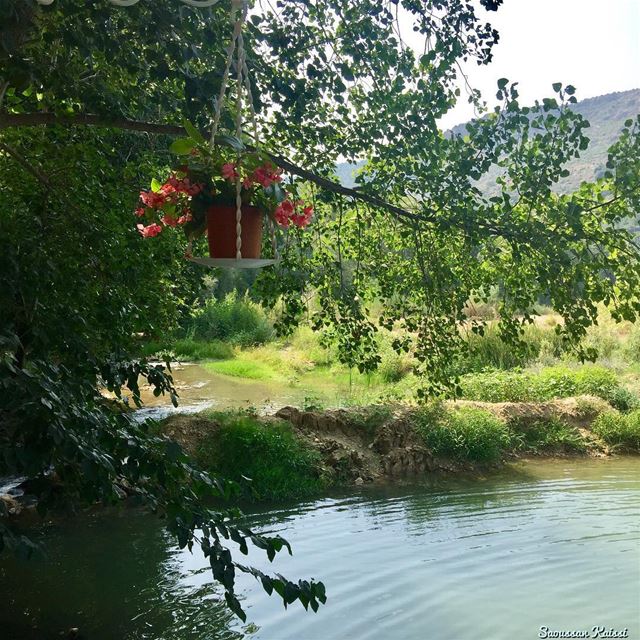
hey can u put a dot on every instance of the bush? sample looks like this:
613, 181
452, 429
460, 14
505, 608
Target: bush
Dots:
619, 430
549, 435
550, 383
393, 368
236, 320
489, 351
631, 348
498, 386
278, 465
561, 382
622, 399
466, 433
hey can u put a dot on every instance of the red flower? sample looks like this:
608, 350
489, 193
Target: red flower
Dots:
150, 230
287, 213
169, 221
229, 171
140, 211
267, 174
152, 199
186, 217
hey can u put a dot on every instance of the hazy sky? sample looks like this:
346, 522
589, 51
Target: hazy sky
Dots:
592, 44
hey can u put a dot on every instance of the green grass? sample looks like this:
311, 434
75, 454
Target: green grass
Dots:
619, 430
188, 349
277, 465
238, 321
241, 368
464, 433
548, 436
548, 384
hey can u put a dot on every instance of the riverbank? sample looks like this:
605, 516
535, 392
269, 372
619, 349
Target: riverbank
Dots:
299, 453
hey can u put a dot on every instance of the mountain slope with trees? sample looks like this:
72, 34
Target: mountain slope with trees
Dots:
606, 114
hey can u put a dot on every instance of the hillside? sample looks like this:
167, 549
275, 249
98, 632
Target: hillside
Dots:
606, 114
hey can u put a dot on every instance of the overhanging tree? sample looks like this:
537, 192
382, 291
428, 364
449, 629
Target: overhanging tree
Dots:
332, 79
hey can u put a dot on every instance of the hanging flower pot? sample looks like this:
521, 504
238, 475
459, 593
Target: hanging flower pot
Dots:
222, 233
201, 193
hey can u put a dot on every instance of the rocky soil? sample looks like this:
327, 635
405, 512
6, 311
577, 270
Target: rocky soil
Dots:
358, 446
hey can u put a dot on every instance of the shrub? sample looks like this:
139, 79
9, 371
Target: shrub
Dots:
489, 351
465, 433
278, 464
236, 320
631, 348
393, 368
551, 434
619, 430
622, 399
550, 383
498, 386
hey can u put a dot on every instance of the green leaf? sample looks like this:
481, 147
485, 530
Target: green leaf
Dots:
502, 83
557, 86
194, 134
182, 146
230, 141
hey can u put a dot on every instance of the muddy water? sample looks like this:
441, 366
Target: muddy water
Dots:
199, 388
549, 543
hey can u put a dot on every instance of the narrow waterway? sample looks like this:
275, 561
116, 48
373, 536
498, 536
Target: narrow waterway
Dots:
545, 543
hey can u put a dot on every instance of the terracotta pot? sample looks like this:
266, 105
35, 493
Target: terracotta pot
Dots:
221, 231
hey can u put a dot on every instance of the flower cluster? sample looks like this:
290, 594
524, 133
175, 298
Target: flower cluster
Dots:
290, 212
265, 175
171, 201
192, 191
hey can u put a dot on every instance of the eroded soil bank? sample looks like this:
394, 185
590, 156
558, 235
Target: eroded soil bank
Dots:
359, 445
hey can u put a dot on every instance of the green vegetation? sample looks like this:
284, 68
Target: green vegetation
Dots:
264, 457
465, 433
619, 430
237, 321
548, 384
548, 436
188, 350
241, 368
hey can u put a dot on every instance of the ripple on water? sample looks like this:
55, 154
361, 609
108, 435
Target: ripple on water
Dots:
554, 543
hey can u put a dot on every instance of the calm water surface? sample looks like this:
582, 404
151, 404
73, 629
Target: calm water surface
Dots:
553, 543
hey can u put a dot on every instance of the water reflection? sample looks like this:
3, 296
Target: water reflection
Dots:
549, 543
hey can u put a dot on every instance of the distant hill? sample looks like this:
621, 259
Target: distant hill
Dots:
605, 113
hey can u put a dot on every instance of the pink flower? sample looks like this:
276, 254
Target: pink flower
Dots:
182, 186
267, 174
169, 221
150, 230
283, 213
193, 189
140, 211
186, 217
151, 199
247, 183
229, 171
288, 212
303, 219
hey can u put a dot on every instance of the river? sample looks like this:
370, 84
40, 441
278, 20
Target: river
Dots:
542, 543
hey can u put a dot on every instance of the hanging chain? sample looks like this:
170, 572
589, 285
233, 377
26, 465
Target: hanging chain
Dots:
240, 87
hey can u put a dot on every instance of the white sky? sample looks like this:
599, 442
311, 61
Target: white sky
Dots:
591, 44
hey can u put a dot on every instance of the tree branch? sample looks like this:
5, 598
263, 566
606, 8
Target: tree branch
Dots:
11, 120
25, 164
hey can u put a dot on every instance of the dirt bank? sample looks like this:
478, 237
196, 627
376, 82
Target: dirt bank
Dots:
361, 445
